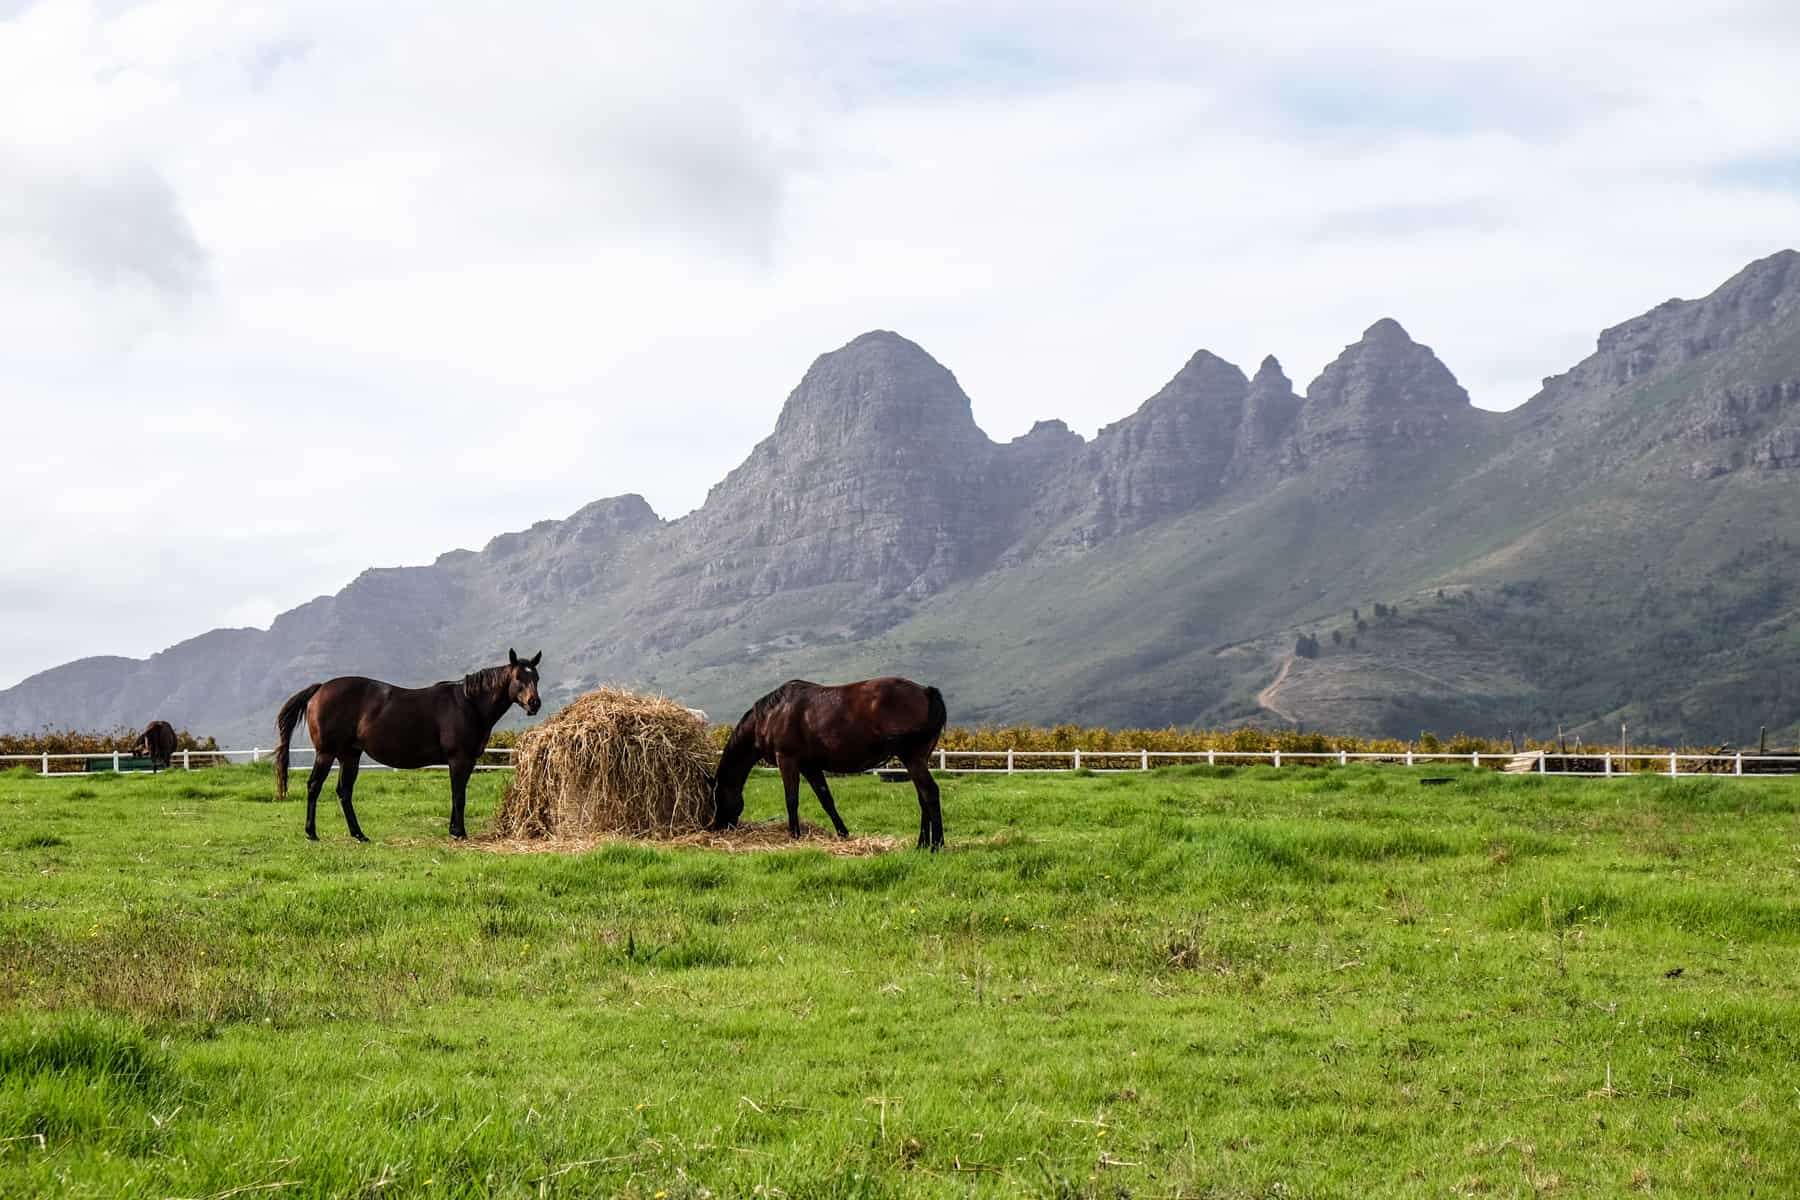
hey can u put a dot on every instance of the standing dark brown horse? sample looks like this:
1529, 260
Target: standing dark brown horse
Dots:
807, 729
444, 724
157, 743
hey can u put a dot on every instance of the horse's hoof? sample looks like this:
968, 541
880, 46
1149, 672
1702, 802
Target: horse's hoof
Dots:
361, 837
312, 835
458, 834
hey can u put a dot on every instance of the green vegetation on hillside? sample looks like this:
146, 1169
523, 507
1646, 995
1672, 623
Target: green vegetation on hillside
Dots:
1189, 983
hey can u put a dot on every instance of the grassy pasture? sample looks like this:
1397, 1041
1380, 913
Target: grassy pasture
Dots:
1192, 983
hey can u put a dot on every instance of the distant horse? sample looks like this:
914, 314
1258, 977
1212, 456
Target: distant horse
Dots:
156, 743
444, 724
807, 729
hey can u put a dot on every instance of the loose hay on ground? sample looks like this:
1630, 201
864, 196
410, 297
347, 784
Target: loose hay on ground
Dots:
750, 837
610, 763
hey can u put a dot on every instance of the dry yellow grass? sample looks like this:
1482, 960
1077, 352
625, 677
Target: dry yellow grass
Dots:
751, 837
611, 763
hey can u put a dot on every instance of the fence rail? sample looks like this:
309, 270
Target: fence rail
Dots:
1604, 764
300, 758
1601, 764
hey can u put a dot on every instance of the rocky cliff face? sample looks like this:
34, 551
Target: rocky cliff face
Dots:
1266, 443
1385, 392
878, 528
1713, 383
875, 475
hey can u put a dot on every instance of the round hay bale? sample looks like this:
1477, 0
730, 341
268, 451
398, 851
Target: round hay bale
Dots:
610, 763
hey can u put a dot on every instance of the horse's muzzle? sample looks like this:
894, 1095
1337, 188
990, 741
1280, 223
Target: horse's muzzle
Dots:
531, 708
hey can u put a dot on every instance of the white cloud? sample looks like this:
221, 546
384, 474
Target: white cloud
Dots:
277, 280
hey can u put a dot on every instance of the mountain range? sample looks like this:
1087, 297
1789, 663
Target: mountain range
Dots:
1374, 555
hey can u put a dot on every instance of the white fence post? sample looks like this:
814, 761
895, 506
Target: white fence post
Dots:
1606, 764
1343, 758
1009, 766
1542, 759
115, 762
46, 762
1146, 760
1475, 758
1278, 758
943, 760
187, 760
1078, 758
1409, 756
255, 753
1737, 767
1673, 770
1209, 756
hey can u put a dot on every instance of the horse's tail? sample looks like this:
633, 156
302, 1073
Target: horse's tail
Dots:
935, 715
284, 725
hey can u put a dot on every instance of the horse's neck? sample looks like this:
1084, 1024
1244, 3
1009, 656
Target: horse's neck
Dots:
740, 755
490, 707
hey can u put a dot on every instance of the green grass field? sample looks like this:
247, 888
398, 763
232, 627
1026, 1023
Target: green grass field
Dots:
1311, 983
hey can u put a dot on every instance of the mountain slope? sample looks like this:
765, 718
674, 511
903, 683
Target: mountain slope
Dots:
1614, 549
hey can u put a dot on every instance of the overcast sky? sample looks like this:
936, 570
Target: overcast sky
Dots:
288, 290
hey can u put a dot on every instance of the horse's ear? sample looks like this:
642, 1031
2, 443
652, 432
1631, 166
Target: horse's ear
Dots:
535, 659
511, 657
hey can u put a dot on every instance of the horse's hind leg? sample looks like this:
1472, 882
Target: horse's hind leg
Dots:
315, 783
790, 784
931, 813
816, 778
347, 768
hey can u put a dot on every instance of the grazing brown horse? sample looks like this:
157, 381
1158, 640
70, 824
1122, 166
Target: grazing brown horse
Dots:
444, 724
156, 743
807, 729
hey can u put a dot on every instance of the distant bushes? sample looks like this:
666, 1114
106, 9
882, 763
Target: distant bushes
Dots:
70, 741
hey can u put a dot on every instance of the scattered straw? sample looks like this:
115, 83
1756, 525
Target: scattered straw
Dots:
610, 763
745, 838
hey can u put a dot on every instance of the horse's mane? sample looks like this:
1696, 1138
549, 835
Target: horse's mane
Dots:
485, 682
779, 696
741, 751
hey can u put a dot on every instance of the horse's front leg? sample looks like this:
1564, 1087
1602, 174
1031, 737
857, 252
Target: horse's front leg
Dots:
816, 778
790, 783
460, 769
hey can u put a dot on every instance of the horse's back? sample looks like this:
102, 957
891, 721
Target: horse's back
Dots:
847, 726
394, 725
892, 705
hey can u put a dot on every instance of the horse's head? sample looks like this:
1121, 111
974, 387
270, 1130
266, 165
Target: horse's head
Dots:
522, 681
728, 802
142, 748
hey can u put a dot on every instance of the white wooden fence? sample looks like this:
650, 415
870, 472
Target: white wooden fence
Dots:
300, 759
1013, 762
1020, 762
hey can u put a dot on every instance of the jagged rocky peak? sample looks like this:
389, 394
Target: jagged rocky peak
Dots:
1172, 453
877, 391
1384, 390
1055, 429
1270, 408
609, 518
876, 474
1046, 442
1205, 397
601, 521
